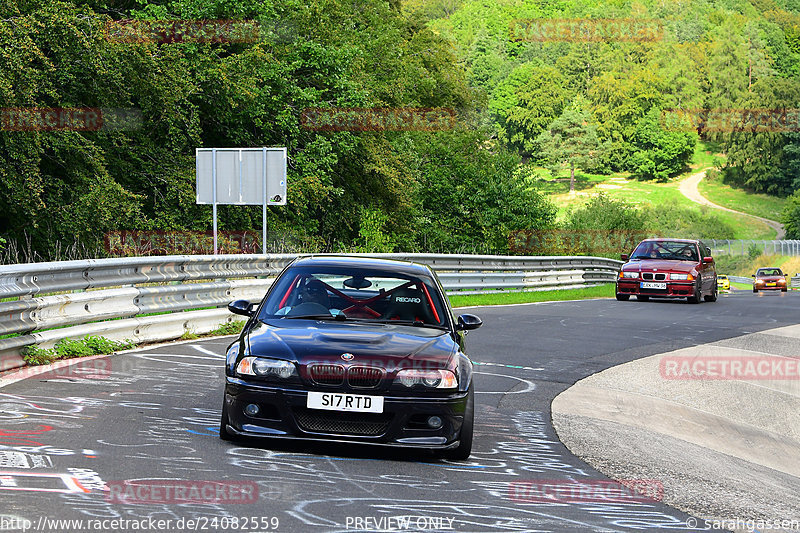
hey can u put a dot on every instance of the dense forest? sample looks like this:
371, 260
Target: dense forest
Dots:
609, 103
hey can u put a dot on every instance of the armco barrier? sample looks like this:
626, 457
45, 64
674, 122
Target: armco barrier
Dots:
148, 299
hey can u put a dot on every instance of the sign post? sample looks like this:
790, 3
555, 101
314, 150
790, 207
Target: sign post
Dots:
241, 176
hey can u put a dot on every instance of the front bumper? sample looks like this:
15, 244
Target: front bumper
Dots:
284, 415
765, 287
674, 289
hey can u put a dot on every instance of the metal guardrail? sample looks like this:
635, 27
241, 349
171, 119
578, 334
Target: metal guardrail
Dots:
742, 247
149, 299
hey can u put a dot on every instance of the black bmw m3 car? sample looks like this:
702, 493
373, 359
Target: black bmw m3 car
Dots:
352, 349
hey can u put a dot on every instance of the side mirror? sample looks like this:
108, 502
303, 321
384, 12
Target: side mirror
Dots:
241, 307
708, 259
752, 275
466, 322
624, 257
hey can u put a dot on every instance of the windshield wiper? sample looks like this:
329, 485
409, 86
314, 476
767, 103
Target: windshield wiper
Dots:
339, 317
416, 323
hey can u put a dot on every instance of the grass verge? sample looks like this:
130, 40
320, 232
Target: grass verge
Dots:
761, 205
602, 291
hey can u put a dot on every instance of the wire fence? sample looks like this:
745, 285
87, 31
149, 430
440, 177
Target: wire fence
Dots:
753, 247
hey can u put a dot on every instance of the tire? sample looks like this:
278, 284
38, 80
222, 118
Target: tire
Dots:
464, 449
755, 290
713, 296
623, 297
642, 298
696, 299
224, 434
784, 289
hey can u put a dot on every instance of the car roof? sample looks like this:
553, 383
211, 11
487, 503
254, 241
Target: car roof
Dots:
371, 263
661, 239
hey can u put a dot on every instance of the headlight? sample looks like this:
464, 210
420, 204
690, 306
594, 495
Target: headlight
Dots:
633, 275
435, 379
781, 281
259, 366
682, 277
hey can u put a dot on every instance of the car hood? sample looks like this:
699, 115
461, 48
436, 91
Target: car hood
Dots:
388, 346
662, 265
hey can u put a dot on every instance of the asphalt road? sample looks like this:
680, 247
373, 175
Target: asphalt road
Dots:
75, 444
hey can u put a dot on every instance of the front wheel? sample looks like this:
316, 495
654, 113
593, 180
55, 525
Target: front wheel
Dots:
224, 434
623, 297
713, 296
755, 290
695, 298
464, 449
642, 298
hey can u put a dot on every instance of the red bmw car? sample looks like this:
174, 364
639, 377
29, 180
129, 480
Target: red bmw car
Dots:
769, 279
668, 268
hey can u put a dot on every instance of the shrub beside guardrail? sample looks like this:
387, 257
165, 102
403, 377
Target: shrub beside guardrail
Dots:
149, 299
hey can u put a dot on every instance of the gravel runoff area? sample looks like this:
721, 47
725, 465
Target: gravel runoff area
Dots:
725, 450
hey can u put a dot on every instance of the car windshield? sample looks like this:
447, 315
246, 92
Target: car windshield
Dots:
769, 272
674, 250
337, 293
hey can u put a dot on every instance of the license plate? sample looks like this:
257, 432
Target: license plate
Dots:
771, 284
333, 401
652, 285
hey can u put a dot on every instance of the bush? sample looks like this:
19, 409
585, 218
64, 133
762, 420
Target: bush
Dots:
791, 216
230, 328
670, 219
70, 348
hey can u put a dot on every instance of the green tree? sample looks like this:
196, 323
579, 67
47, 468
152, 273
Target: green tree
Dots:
663, 149
526, 102
755, 147
619, 101
470, 198
570, 139
791, 216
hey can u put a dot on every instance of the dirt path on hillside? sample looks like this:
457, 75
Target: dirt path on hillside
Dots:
688, 188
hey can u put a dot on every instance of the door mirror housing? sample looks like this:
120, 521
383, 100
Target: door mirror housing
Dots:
241, 307
624, 257
708, 259
467, 322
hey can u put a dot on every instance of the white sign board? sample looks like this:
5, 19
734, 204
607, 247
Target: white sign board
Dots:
241, 176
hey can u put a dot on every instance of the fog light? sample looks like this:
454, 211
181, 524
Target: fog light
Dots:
435, 422
252, 410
